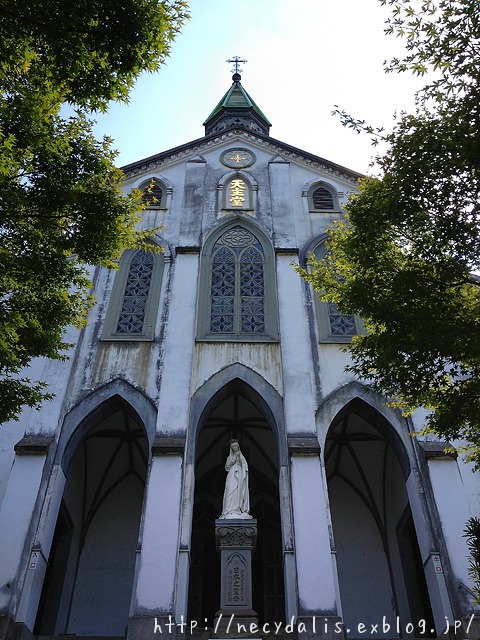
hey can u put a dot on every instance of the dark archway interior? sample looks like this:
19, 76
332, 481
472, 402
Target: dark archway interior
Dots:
374, 533
89, 579
236, 415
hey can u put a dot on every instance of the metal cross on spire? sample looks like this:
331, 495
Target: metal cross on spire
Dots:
236, 61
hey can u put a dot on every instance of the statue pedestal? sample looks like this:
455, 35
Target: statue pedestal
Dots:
236, 541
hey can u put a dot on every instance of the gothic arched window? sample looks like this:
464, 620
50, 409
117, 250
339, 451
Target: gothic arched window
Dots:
333, 326
133, 304
237, 273
323, 197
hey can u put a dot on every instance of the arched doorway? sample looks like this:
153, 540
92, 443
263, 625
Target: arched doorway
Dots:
380, 572
88, 584
235, 413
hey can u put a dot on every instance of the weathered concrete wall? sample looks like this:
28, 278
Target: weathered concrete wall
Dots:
301, 381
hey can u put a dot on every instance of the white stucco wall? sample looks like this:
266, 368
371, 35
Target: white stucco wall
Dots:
212, 357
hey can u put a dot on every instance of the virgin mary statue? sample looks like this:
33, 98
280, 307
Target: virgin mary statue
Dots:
236, 501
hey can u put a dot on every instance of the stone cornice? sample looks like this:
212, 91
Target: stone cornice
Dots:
442, 450
168, 446
303, 445
33, 445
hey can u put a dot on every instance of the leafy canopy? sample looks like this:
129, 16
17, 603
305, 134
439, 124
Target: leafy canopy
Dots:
61, 207
407, 257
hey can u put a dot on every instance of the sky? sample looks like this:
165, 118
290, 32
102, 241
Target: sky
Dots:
303, 58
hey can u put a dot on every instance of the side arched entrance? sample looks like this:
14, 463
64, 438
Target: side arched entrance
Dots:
380, 571
88, 585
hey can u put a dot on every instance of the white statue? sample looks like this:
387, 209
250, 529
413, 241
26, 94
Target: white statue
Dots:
236, 501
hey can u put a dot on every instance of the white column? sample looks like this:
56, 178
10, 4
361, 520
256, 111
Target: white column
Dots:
316, 584
289, 564
32, 588
174, 399
283, 220
193, 201
298, 382
183, 570
15, 518
431, 558
157, 565
452, 507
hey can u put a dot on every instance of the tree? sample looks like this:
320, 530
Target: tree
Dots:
407, 256
472, 534
61, 207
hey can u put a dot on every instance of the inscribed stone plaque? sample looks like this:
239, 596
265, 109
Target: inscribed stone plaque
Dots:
235, 572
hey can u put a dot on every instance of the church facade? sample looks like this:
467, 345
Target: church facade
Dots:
109, 495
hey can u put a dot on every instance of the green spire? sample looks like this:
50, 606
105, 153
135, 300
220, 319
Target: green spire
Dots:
236, 108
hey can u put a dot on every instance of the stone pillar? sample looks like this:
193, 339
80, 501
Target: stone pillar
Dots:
283, 219
153, 600
296, 350
193, 201
236, 541
16, 516
452, 508
178, 346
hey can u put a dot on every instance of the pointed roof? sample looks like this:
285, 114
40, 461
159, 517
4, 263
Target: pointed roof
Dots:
237, 108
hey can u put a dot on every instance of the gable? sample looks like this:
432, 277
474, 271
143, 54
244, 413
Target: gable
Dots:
209, 146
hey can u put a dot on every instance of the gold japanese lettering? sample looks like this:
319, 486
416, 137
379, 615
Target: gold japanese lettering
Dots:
237, 192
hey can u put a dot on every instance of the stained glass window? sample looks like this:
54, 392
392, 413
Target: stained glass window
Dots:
134, 300
333, 325
132, 313
341, 325
237, 284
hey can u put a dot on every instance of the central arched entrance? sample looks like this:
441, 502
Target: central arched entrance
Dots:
235, 412
89, 580
380, 571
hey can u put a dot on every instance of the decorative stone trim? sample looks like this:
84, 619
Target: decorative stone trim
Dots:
235, 536
168, 446
437, 450
275, 146
303, 446
33, 445
237, 158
